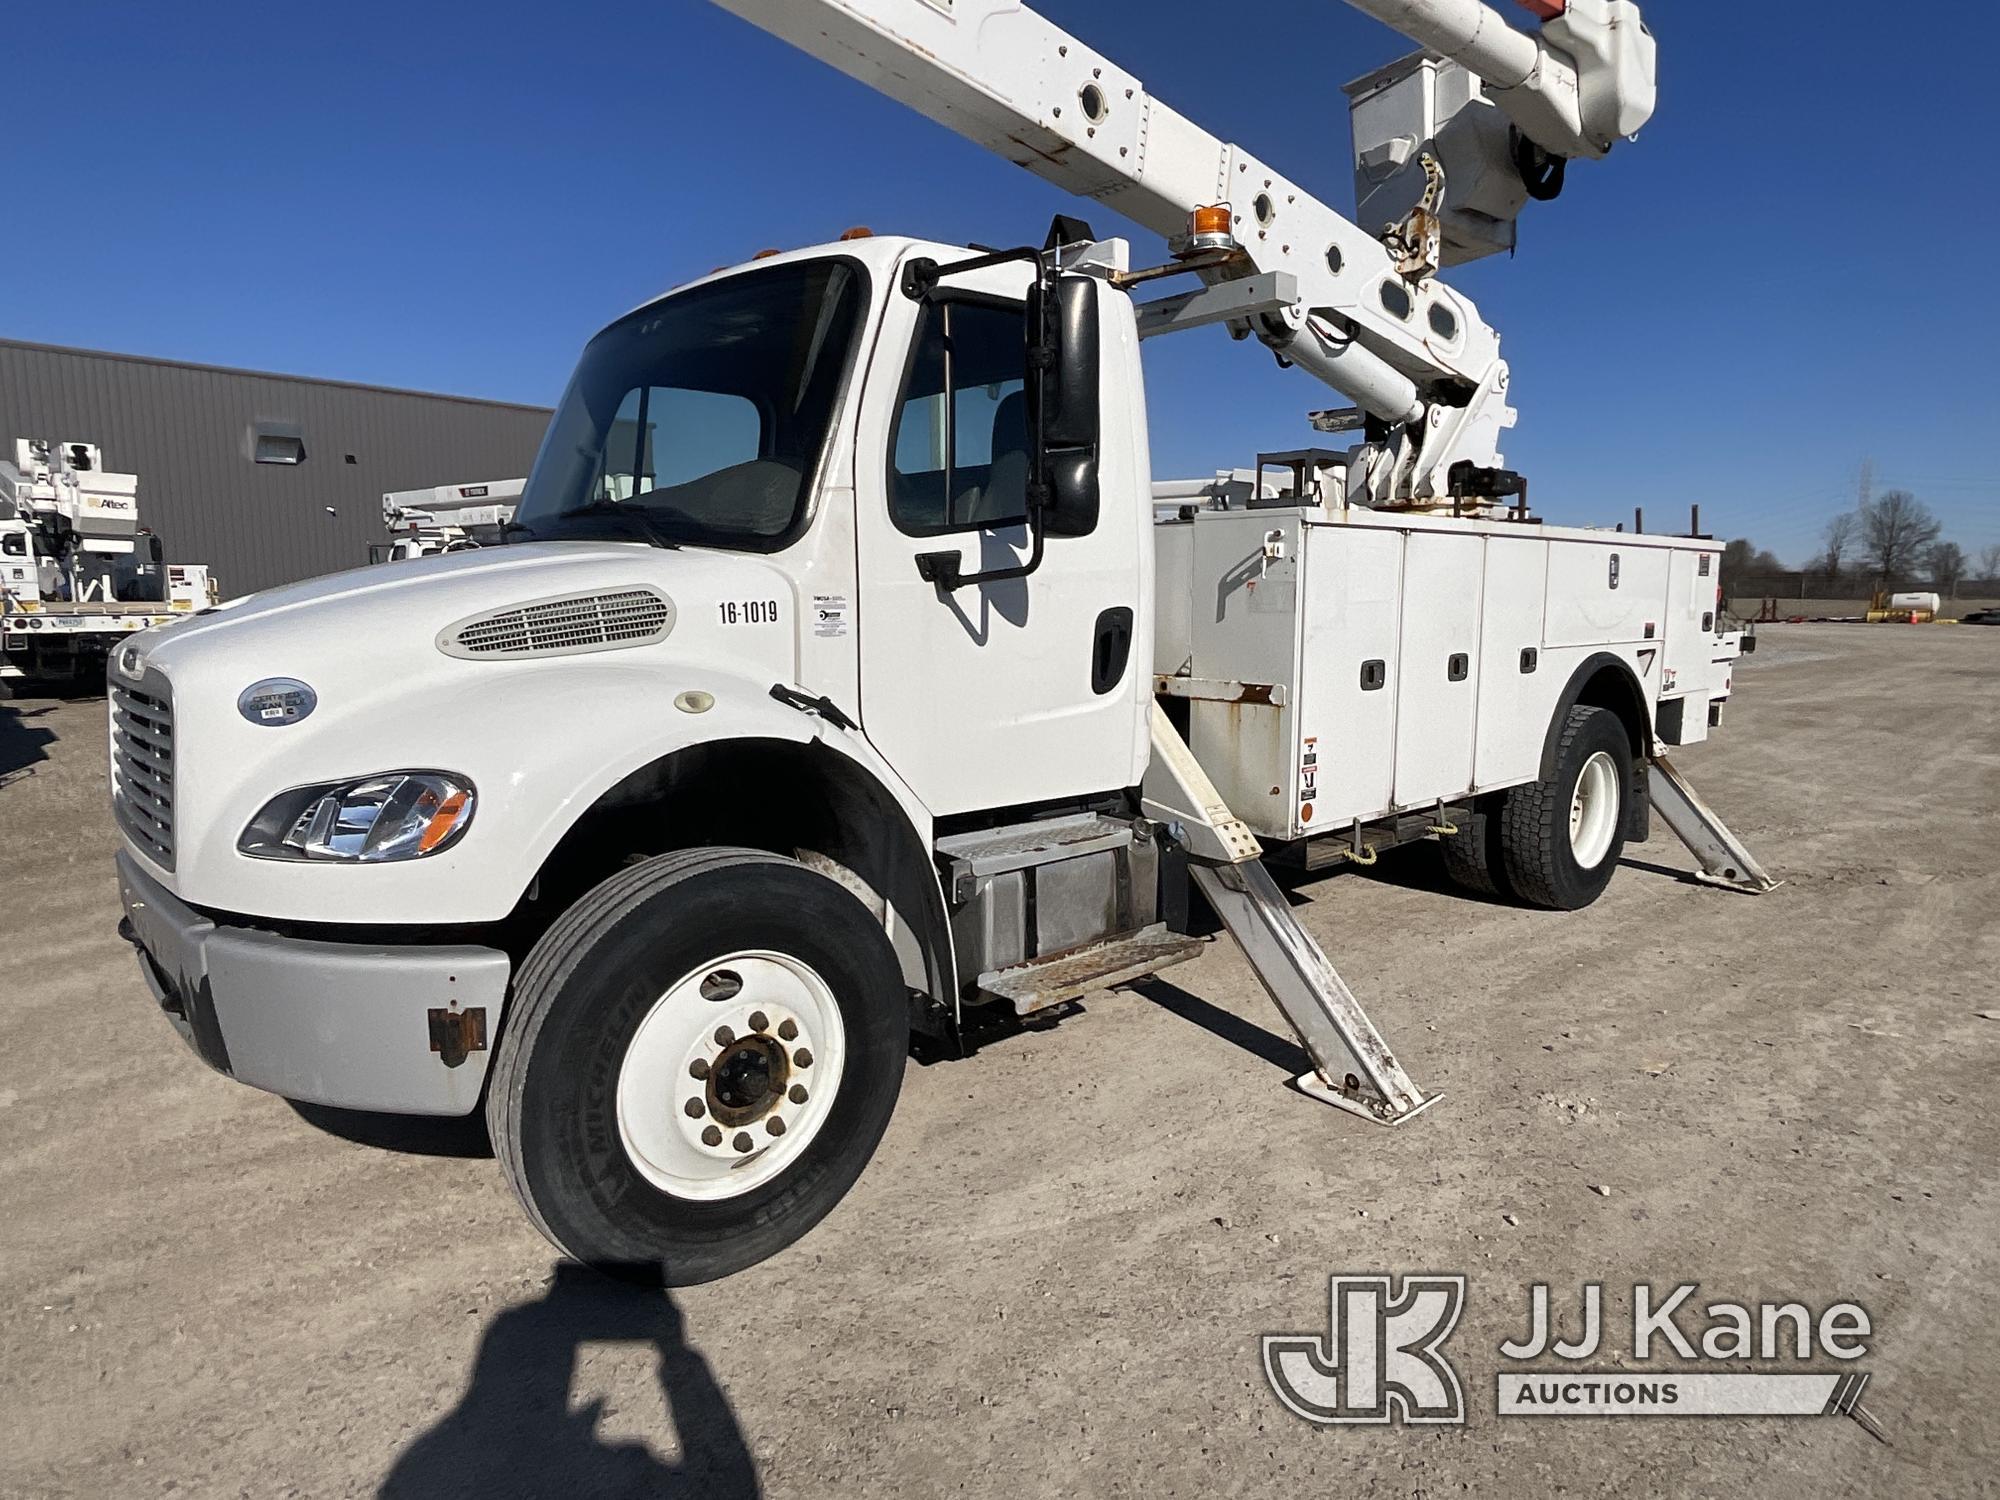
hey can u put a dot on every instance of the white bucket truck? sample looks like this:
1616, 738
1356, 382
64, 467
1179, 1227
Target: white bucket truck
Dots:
78, 573
845, 687
446, 518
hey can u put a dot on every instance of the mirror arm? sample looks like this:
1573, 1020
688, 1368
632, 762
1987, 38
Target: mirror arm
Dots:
941, 568
922, 275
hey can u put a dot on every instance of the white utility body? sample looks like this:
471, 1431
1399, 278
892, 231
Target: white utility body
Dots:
1349, 665
77, 572
847, 678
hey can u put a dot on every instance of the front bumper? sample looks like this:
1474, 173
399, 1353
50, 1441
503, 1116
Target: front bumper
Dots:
358, 1025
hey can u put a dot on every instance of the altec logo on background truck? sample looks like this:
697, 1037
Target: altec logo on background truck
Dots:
838, 681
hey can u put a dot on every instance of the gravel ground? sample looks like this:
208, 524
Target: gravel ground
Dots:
1054, 1275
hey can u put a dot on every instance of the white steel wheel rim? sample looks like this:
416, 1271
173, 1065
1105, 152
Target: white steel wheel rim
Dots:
715, 1040
1593, 810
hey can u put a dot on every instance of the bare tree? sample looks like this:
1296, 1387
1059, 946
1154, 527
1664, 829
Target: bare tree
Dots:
1839, 542
1896, 532
1947, 566
1989, 562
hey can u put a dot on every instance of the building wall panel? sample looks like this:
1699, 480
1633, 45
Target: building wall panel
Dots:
186, 431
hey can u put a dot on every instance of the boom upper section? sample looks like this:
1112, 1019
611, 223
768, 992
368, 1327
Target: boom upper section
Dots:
1368, 316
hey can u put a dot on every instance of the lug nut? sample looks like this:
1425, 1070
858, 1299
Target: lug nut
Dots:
742, 1141
798, 1093
775, 1125
724, 1036
698, 1068
788, 1029
712, 1136
759, 1021
696, 1109
803, 1057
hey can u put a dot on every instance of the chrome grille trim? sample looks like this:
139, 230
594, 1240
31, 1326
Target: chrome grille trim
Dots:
142, 765
566, 625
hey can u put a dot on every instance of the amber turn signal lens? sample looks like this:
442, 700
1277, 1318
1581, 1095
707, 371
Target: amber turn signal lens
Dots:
442, 822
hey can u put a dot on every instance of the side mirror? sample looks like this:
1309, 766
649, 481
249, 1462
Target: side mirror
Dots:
1063, 403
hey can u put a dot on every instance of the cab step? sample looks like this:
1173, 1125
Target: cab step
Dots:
1050, 981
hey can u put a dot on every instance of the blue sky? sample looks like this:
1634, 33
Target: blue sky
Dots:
1789, 272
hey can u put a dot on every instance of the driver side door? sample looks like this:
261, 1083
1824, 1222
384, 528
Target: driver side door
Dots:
1002, 694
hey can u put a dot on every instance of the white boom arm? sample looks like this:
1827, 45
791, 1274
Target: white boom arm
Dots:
488, 504
1408, 350
1577, 89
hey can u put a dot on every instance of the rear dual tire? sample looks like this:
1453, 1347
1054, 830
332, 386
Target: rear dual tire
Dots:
1554, 843
701, 1058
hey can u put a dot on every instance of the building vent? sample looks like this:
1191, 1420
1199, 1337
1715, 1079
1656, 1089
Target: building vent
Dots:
567, 625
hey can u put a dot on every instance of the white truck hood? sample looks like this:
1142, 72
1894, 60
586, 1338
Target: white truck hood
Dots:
386, 697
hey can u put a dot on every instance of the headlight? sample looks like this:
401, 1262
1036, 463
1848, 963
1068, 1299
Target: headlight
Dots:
397, 815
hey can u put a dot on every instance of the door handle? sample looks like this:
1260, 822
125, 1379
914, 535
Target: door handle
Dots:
1110, 649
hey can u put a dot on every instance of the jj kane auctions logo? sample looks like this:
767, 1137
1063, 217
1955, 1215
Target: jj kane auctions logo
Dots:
1382, 1358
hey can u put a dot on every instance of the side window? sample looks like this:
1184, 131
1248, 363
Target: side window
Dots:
959, 452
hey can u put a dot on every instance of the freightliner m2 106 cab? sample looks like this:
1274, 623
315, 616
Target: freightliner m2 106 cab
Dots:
836, 683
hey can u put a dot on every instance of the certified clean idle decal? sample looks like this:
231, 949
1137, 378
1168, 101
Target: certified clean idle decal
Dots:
276, 702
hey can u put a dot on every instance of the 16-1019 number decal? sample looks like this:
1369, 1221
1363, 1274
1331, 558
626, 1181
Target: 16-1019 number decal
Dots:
748, 611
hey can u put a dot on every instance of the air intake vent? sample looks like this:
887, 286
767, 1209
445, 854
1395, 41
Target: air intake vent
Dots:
567, 625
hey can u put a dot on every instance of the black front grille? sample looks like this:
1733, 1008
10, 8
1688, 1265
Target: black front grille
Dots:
142, 768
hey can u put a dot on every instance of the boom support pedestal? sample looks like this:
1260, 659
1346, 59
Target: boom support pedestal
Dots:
1724, 859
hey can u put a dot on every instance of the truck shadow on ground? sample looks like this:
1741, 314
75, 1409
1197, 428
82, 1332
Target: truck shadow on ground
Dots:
24, 743
1280, 1052
514, 1433
413, 1135
1420, 867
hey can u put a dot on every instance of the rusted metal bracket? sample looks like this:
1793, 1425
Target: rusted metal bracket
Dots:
457, 1034
1218, 690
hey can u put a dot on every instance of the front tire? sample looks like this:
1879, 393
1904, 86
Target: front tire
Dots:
703, 1054
1561, 837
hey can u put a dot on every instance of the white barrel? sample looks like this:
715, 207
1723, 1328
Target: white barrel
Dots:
1931, 602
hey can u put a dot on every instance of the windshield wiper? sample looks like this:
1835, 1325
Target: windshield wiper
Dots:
654, 531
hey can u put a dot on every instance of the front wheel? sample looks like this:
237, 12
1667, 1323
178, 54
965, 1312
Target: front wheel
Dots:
703, 1054
1561, 837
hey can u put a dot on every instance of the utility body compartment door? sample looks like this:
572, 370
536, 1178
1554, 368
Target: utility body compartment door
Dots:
1517, 687
1244, 628
1350, 673
1438, 672
1602, 593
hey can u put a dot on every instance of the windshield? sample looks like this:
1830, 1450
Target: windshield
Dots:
700, 419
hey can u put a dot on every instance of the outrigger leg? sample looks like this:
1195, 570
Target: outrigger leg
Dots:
1353, 1068
1724, 860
